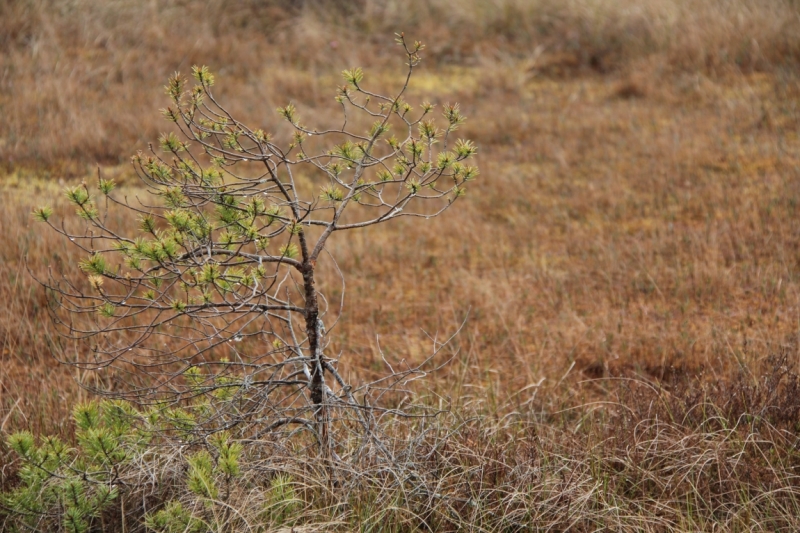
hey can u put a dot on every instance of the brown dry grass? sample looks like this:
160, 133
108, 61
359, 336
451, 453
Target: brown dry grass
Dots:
636, 217
78, 80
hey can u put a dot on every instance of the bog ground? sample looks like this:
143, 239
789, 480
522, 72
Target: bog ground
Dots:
629, 257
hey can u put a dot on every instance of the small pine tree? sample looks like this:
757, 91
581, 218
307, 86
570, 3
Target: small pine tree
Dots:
216, 295
65, 488
116, 447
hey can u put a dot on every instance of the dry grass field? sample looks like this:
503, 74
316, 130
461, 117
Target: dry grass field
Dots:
629, 259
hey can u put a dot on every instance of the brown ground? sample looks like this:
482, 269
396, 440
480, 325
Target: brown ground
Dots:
636, 214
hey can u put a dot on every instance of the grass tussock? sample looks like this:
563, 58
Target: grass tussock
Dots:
697, 458
629, 257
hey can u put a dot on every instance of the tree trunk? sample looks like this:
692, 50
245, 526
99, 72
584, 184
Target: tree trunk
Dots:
314, 334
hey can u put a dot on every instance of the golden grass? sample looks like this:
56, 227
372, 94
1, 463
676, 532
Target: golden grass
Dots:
636, 216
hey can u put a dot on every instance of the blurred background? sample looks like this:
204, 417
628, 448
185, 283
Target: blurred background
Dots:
635, 217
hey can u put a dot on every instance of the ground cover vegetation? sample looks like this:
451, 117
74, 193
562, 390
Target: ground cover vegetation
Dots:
628, 258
